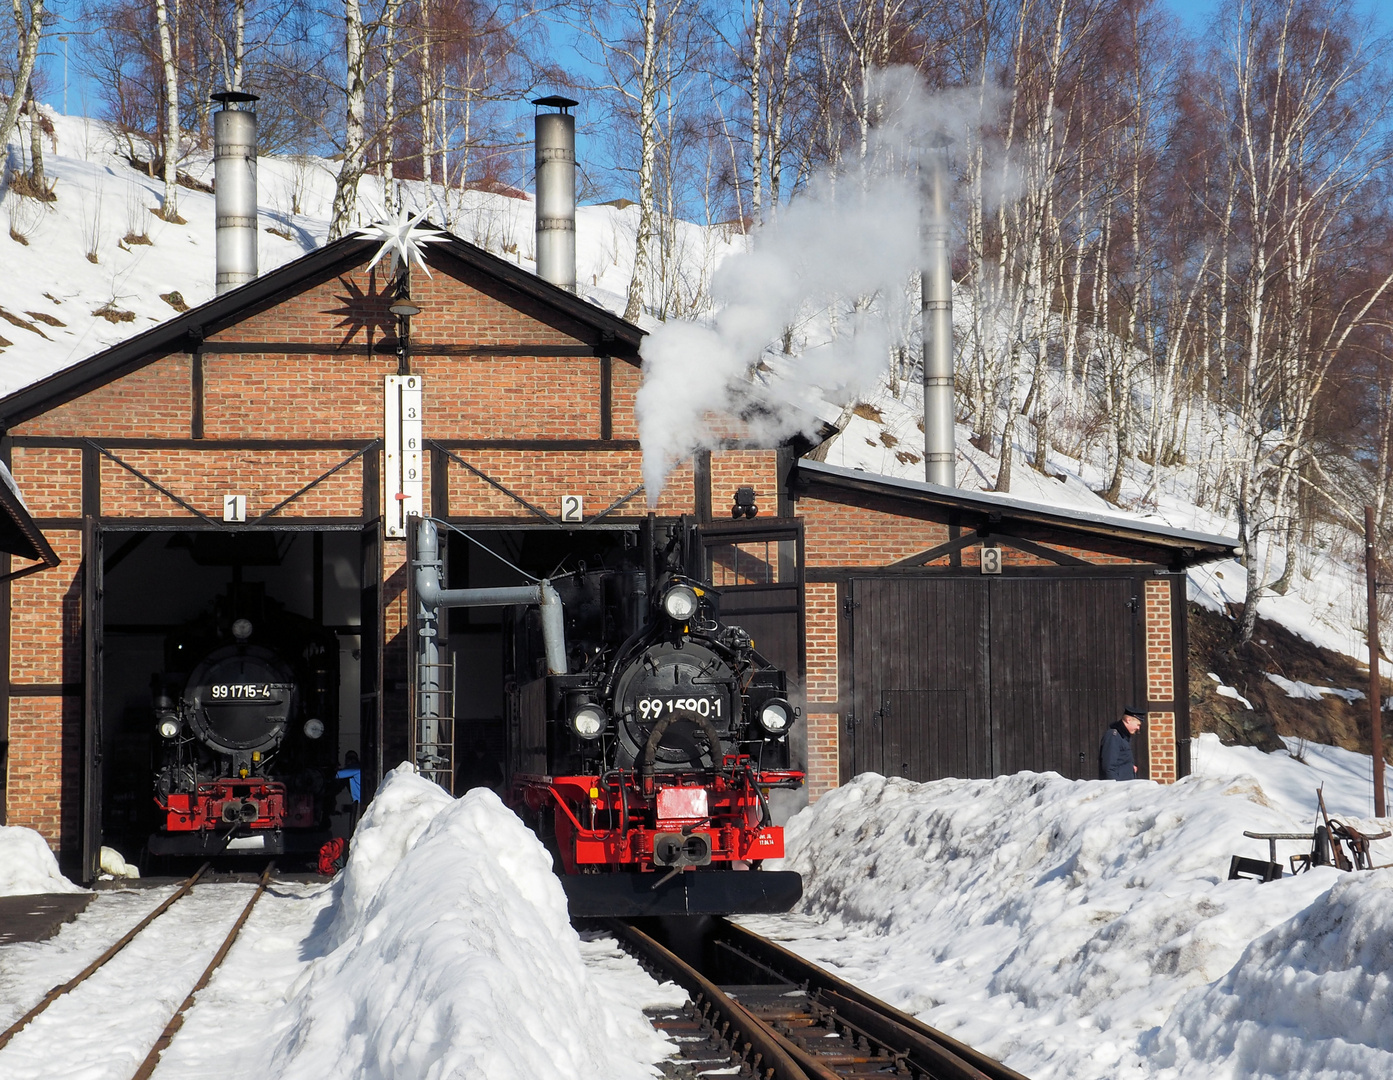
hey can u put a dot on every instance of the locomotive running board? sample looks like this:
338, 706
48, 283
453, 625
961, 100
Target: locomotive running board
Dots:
630, 896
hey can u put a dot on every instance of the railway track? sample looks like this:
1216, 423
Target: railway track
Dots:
772, 1015
63, 990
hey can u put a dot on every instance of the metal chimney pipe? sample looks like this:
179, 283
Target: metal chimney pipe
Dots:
556, 192
234, 188
936, 299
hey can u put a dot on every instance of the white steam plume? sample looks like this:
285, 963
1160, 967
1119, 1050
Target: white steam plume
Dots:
837, 261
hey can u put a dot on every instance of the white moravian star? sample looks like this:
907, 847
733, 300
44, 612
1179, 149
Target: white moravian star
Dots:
402, 239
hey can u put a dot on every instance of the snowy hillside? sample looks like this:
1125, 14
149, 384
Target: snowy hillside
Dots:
97, 266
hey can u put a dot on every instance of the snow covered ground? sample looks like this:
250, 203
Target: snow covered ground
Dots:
1071, 928
1087, 929
443, 950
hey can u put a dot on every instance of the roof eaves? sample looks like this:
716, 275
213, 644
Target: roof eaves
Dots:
1207, 546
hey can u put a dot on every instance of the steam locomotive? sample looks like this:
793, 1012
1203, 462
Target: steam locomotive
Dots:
646, 765
244, 735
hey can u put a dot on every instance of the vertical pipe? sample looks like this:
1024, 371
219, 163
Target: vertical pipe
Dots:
234, 189
556, 192
936, 298
428, 627
1375, 687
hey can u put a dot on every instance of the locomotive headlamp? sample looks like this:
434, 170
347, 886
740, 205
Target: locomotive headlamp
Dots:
168, 727
314, 728
588, 721
680, 602
774, 717
242, 629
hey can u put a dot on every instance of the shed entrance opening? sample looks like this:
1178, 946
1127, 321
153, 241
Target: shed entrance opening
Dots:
166, 601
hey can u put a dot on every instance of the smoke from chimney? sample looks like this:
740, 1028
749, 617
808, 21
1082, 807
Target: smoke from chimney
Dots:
234, 186
556, 192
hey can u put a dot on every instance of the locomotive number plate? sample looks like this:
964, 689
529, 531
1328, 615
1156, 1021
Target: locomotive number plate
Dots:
240, 691
655, 708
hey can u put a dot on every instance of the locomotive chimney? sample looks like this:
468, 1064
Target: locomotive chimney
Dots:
234, 183
556, 192
936, 300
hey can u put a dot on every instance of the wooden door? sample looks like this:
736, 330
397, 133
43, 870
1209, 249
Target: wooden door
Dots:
919, 671
976, 676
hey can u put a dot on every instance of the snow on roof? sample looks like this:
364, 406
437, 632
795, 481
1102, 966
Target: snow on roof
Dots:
992, 502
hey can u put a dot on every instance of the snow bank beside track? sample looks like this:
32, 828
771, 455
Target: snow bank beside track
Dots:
1059, 925
27, 864
453, 956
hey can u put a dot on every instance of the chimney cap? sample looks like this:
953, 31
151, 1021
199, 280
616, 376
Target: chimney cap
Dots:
556, 101
228, 98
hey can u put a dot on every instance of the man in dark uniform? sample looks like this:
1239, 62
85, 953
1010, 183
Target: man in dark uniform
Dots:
1115, 753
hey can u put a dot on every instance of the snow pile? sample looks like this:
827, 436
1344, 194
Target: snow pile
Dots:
1053, 924
1289, 780
1310, 998
461, 961
1229, 692
399, 813
114, 865
27, 865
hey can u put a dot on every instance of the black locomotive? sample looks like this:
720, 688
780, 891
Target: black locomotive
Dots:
646, 764
245, 714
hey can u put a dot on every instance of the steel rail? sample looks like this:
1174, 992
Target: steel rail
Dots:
927, 1047
176, 1022
790, 1019
58, 991
770, 1056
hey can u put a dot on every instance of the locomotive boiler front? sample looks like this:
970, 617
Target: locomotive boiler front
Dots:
239, 702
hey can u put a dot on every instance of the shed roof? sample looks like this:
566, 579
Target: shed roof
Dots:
989, 510
609, 333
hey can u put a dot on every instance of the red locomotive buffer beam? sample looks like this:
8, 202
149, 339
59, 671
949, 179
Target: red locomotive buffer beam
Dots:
685, 849
197, 823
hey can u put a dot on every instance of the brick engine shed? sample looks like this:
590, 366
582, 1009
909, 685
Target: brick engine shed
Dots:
235, 462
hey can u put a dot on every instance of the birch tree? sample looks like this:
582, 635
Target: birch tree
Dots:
351, 170
169, 210
30, 32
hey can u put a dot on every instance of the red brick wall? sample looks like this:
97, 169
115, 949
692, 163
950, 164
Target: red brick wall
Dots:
202, 477
1160, 681
731, 469
820, 599
156, 401
599, 477
624, 382
290, 396
45, 728
50, 478
510, 397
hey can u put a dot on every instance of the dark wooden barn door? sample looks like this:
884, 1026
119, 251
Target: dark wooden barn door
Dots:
979, 676
1063, 655
919, 675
